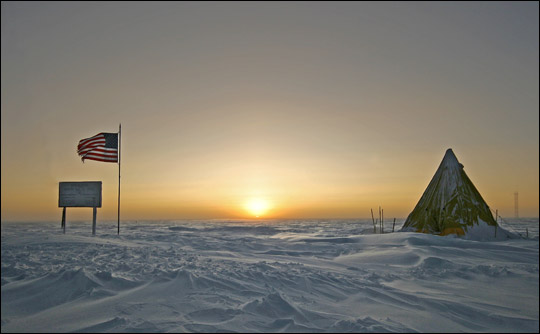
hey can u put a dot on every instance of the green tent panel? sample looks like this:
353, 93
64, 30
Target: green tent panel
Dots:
450, 204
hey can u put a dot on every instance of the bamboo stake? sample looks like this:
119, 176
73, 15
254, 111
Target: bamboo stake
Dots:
374, 224
382, 221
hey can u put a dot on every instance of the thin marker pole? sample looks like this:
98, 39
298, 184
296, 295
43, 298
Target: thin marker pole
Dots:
382, 220
119, 145
374, 224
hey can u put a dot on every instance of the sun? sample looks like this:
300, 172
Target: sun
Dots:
257, 206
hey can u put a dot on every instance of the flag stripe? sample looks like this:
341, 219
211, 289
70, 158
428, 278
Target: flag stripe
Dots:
94, 154
97, 148
103, 151
101, 154
90, 138
86, 148
83, 141
87, 140
97, 141
97, 158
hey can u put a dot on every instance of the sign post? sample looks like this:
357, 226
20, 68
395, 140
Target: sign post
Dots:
80, 194
64, 220
94, 221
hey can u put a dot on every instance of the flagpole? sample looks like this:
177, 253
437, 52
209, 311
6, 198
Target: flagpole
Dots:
119, 145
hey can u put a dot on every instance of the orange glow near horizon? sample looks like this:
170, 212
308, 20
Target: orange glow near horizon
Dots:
257, 207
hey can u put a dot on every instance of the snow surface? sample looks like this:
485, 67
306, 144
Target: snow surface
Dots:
272, 276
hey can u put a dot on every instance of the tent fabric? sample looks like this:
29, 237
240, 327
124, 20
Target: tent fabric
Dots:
450, 204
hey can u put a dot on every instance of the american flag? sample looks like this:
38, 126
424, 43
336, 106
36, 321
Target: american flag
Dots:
101, 147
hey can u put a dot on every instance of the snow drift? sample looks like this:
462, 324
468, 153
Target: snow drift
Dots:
292, 276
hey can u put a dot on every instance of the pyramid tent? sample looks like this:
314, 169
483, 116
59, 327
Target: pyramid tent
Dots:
450, 204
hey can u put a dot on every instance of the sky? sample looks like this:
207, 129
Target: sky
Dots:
276, 109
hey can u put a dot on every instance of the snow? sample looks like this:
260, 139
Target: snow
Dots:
484, 232
264, 276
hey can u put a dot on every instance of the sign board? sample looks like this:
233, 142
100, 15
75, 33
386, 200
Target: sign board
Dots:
80, 194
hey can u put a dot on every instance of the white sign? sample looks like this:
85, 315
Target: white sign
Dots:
80, 194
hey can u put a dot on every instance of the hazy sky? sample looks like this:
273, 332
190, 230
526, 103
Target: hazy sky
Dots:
318, 109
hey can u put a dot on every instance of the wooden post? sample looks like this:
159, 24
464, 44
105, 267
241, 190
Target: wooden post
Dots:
94, 221
374, 224
527, 230
64, 219
393, 225
382, 221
